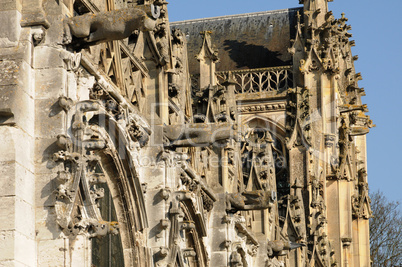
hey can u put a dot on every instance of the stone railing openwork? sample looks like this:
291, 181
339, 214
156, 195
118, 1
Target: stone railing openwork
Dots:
259, 80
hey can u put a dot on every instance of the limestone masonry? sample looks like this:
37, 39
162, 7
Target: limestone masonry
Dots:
127, 140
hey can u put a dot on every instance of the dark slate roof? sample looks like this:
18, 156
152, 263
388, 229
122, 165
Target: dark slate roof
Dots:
246, 41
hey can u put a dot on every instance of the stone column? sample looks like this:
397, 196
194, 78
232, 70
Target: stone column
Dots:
17, 181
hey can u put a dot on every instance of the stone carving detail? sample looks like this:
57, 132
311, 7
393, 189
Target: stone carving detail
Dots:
90, 29
193, 135
74, 180
262, 108
329, 140
236, 259
138, 130
255, 200
361, 200
77, 192
259, 80
280, 247
162, 43
274, 263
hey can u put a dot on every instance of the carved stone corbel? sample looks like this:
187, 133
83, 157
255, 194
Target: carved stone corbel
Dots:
65, 103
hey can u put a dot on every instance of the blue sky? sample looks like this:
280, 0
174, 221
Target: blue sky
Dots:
377, 30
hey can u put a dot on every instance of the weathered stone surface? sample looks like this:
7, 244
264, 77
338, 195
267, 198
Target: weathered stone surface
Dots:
52, 252
113, 143
12, 263
19, 106
51, 110
47, 230
50, 83
46, 57
16, 146
9, 26
46, 186
18, 247
23, 51
16, 72
21, 216
16, 180
11, 5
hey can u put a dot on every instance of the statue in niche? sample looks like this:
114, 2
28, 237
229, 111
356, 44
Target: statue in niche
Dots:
258, 160
316, 196
198, 134
90, 29
250, 200
162, 43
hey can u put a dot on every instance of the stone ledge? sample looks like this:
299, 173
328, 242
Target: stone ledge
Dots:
10, 28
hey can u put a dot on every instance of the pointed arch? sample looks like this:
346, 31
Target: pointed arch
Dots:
263, 122
186, 245
118, 167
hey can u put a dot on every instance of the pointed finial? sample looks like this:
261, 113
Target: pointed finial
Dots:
298, 17
204, 33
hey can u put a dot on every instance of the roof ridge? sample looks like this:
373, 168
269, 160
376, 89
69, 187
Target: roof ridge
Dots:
252, 14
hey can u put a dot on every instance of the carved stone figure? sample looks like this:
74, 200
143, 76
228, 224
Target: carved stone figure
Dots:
162, 43
236, 259
138, 130
254, 200
90, 29
280, 247
178, 37
100, 229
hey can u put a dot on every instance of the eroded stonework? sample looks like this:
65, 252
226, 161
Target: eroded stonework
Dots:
132, 141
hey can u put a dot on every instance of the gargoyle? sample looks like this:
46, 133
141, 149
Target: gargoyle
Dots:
90, 29
100, 229
178, 37
198, 134
281, 248
252, 200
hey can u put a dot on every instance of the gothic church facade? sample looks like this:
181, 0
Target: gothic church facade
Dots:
128, 140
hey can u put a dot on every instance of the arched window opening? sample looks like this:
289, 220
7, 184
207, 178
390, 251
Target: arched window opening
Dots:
107, 251
259, 136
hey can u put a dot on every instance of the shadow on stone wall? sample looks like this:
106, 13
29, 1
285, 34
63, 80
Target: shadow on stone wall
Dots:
252, 56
